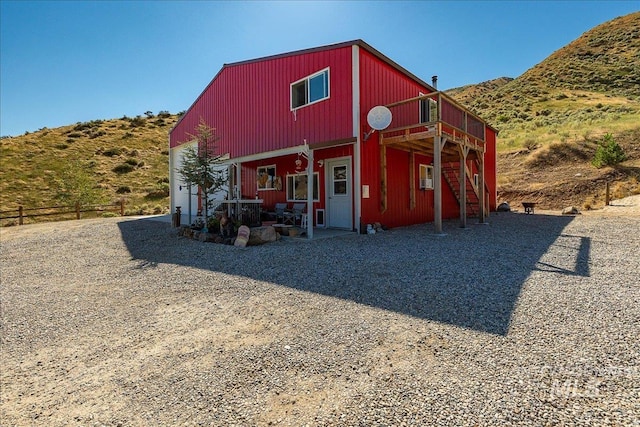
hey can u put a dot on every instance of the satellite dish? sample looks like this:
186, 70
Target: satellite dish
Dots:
379, 117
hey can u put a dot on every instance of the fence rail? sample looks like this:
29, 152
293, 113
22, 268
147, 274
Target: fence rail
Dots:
21, 213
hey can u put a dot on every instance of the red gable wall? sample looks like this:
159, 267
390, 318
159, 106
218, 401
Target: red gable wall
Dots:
382, 84
249, 104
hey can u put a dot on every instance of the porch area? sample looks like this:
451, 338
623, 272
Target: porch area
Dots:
454, 138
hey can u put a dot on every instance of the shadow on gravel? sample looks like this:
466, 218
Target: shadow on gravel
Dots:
469, 278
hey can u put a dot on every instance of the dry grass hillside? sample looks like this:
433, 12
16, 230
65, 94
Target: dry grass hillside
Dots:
552, 118
101, 161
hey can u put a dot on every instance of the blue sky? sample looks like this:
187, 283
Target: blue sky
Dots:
66, 62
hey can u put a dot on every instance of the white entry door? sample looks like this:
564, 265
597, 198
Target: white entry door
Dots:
339, 199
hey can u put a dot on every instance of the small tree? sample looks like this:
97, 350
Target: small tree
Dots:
77, 184
608, 153
199, 164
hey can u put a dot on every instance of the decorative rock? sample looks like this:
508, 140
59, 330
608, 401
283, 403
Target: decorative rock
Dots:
504, 207
570, 210
262, 235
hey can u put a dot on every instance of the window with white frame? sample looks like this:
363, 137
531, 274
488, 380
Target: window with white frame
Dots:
297, 187
428, 110
266, 177
311, 89
426, 177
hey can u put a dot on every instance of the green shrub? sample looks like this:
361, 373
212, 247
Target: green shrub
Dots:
530, 144
161, 191
132, 162
123, 168
111, 152
137, 121
608, 153
123, 189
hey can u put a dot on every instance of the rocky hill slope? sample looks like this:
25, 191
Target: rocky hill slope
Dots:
552, 118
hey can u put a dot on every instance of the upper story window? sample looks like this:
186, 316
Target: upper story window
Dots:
311, 89
428, 110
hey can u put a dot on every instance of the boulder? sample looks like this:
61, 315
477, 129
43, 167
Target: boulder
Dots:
503, 207
570, 210
262, 235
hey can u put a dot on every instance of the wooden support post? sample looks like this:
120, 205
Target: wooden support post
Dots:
20, 215
463, 185
437, 183
481, 197
412, 180
121, 207
607, 195
383, 174
77, 210
309, 195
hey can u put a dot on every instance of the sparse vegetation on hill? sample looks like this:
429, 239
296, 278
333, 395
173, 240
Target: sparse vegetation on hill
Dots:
96, 161
553, 117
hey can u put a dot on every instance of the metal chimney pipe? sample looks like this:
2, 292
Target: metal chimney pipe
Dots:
434, 82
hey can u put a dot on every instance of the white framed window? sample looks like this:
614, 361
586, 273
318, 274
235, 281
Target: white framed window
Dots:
428, 110
266, 177
426, 177
297, 187
310, 90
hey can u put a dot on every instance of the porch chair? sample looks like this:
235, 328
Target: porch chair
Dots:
281, 213
298, 212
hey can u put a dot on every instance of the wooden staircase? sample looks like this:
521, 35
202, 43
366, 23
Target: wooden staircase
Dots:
451, 172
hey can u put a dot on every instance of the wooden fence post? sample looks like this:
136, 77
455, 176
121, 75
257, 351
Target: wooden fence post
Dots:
20, 215
607, 195
77, 210
121, 207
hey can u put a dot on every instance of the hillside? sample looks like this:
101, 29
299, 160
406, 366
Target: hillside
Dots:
103, 160
552, 118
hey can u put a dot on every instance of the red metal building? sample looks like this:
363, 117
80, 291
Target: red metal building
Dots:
280, 117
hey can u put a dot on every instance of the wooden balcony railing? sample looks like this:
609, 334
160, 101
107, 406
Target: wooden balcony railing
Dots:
425, 116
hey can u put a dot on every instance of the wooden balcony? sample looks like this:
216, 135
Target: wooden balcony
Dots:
457, 126
437, 126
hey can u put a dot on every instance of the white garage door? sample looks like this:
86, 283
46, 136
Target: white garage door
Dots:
179, 191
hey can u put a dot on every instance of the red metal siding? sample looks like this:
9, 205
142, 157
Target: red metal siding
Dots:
249, 104
382, 84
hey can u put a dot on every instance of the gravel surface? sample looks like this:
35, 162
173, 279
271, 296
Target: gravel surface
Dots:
529, 320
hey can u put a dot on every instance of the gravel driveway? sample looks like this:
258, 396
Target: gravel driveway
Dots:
530, 320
